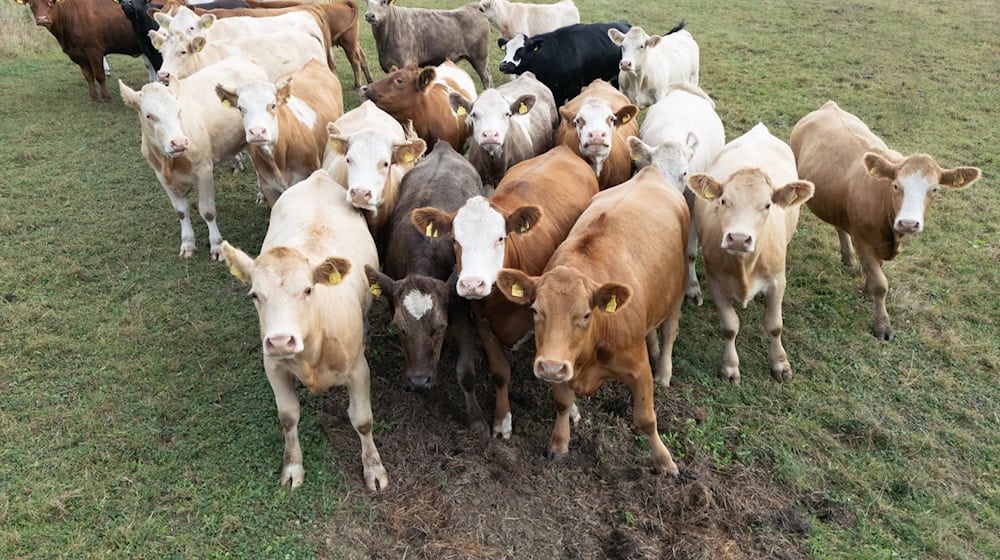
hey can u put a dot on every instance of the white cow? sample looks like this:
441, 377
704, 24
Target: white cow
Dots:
185, 132
311, 295
651, 63
681, 135
369, 152
186, 21
184, 55
511, 18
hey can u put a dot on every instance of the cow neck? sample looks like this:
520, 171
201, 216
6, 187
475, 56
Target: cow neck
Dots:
56, 29
888, 240
168, 166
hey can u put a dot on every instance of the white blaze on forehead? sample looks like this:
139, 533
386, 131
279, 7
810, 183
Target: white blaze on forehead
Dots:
595, 116
255, 98
417, 304
367, 150
478, 229
672, 160
185, 20
490, 115
163, 106
916, 187
516, 42
302, 112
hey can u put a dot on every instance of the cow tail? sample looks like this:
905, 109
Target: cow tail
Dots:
678, 27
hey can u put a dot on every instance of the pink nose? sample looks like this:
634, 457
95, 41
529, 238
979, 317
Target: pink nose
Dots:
163, 76
491, 137
625, 65
597, 136
360, 196
472, 287
551, 370
258, 133
280, 344
179, 145
738, 241
908, 226
43, 21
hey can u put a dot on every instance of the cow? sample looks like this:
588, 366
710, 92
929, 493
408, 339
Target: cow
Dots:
746, 211
405, 36
519, 226
511, 18
420, 95
311, 297
185, 132
510, 124
369, 152
595, 125
286, 124
650, 64
417, 277
86, 31
567, 59
873, 195
617, 277
184, 55
681, 135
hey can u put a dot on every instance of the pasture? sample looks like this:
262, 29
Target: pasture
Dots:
136, 420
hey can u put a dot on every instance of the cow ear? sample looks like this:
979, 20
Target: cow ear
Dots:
335, 140
426, 78
130, 97
639, 151
459, 104
331, 271
793, 194
502, 43
704, 186
408, 152
157, 38
610, 297
393, 68
522, 105
379, 284
653, 41
537, 45
879, 167
198, 43
283, 91
566, 114
691, 142
240, 264
516, 286
617, 37
626, 114
228, 97
432, 222
523, 219
960, 177
163, 19
206, 21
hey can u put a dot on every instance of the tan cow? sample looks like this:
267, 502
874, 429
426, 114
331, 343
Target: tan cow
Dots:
745, 214
285, 124
873, 195
619, 275
595, 125
311, 295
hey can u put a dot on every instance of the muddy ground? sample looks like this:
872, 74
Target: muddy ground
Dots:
455, 495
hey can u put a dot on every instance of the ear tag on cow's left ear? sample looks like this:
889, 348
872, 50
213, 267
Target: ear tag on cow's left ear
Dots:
407, 157
375, 289
226, 103
626, 118
461, 111
793, 198
525, 228
708, 195
612, 305
429, 232
516, 290
522, 109
873, 172
335, 277
235, 272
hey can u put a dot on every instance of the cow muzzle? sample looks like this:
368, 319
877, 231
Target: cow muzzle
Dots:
366, 92
736, 243
370, 17
361, 198
553, 371
43, 21
163, 77
472, 288
625, 66
282, 345
507, 67
908, 226
419, 381
177, 147
258, 135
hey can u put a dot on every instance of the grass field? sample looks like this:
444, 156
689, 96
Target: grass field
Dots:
136, 422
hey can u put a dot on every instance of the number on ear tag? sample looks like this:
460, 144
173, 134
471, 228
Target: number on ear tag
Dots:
708, 195
429, 232
626, 118
375, 289
516, 290
612, 305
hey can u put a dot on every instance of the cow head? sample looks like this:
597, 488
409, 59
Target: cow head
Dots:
397, 92
915, 182
159, 116
488, 8
519, 53
595, 125
480, 231
376, 10
564, 303
45, 11
370, 156
282, 281
185, 21
743, 203
634, 45
490, 117
420, 315
180, 54
671, 159
258, 103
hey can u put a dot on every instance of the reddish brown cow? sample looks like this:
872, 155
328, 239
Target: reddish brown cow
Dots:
87, 30
619, 275
421, 95
595, 125
519, 227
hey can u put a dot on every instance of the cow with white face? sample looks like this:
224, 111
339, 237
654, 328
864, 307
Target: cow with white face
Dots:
650, 64
595, 124
369, 152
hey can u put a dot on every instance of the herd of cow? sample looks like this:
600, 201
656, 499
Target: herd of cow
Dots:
565, 220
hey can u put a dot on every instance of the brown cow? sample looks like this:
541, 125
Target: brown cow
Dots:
87, 30
618, 276
595, 125
519, 227
873, 195
421, 95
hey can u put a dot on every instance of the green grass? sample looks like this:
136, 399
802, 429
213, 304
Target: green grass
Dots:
135, 420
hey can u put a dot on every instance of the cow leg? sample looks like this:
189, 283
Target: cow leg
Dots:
665, 362
730, 323
88, 74
640, 384
846, 248
206, 207
96, 59
363, 61
503, 422
180, 204
283, 385
780, 368
360, 412
565, 409
877, 288
479, 64
107, 67
692, 293
652, 344
465, 372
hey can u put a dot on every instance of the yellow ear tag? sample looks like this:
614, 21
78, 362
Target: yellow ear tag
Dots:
375, 289
708, 195
626, 118
522, 109
612, 304
407, 157
961, 180
794, 197
429, 232
209, 24
516, 290
872, 172
235, 272
525, 228
461, 111
335, 277
226, 103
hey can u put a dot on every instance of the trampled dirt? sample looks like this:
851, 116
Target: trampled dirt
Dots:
456, 495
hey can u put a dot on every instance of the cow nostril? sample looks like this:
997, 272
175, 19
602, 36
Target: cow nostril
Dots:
420, 382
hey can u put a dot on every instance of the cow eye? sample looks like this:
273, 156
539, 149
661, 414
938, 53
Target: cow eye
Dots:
474, 115
767, 206
347, 160
252, 295
895, 187
935, 189
182, 53
586, 316
273, 106
399, 81
722, 201
309, 291
509, 114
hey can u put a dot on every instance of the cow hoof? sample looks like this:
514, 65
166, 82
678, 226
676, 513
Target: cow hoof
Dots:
782, 374
504, 428
667, 467
555, 456
731, 374
186, 252
574, 415
694, 297
480, 428
884, 333
375, 478
259, 199
292, 476
215, 255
